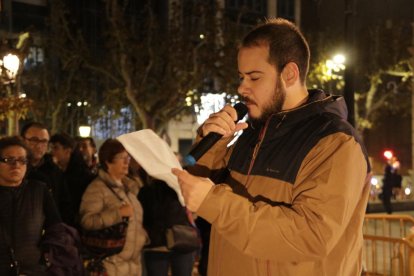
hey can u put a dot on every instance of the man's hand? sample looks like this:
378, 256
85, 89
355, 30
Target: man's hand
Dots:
194, 188
222, 122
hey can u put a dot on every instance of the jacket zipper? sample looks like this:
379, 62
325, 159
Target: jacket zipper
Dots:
257, 147
259, 142
255, 152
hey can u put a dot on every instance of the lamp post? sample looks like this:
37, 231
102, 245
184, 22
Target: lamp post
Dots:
82, 121
11, 65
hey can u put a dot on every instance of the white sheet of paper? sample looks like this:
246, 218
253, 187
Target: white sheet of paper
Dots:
154, 155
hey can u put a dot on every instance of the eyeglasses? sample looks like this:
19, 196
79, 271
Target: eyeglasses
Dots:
13, 161
36, 141
125, 158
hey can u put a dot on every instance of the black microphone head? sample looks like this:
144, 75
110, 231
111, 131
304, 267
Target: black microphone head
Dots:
208, 141
241, 110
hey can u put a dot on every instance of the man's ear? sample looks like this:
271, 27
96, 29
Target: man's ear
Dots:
290, 74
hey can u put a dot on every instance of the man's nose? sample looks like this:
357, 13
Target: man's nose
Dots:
242, 89
38, 145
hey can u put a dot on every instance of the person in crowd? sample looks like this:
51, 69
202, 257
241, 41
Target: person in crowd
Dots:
391, 183
26, 209
110, 197
297, 184
43, 169
162, 210
75, 171
87, 147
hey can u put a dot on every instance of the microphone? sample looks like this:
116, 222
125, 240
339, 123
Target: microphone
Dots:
207, 142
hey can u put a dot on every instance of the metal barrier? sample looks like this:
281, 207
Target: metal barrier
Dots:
388, 245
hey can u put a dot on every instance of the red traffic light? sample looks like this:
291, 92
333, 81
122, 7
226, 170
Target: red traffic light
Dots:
388, 154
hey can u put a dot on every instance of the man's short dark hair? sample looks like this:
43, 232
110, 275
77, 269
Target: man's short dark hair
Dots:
26, 127
286, 44
107, 152
90, 139
11, 141
64, 139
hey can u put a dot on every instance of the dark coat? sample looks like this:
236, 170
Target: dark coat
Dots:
161, 211
391, 180
25, 211
50, 174
62, 245
77, 177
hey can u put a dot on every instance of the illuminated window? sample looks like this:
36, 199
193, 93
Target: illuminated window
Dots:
35, 57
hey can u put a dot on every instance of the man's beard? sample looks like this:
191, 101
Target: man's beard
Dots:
274, 106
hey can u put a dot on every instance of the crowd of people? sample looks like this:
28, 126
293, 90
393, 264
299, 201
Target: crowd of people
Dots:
47, 181
288, 198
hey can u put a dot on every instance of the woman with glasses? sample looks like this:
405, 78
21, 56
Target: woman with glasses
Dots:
110, 199
26, 209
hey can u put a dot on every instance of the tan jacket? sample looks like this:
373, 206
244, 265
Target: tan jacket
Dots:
294, 200
99, 209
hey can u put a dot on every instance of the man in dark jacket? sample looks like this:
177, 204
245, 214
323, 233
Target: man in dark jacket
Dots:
42, 168
391, 183
75, 171
87, 147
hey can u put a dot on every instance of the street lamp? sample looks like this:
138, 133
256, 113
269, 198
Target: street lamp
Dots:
82, 121
334, 73
10, 65
340, 60
84, 131
336, 65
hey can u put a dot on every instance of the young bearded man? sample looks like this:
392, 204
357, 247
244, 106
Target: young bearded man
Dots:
296, 183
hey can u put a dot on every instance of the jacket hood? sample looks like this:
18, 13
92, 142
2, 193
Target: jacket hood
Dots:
329, 103
318, 102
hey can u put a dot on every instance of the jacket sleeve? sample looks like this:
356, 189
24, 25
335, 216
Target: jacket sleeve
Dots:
214, 160
331, 186
94, 214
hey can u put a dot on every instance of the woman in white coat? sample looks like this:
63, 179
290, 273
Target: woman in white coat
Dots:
102, 207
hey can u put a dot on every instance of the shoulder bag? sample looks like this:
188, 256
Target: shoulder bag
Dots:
182, 238
107, 241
